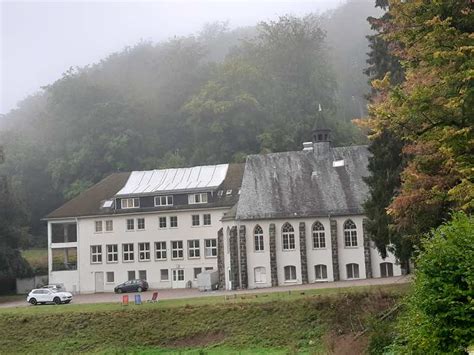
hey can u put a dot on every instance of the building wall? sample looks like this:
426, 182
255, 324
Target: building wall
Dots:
346, 255
87, 237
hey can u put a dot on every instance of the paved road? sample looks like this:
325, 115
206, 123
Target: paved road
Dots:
190, 293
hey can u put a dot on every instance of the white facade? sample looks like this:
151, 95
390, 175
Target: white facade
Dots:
98, 271
258, 261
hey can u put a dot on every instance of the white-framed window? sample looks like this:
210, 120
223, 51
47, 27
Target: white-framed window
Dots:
195, 220
194, 250
319, 237
131, 275
143, 251
210, 248
260, 275
352, 271
98, 226
96, 254
320, 272
290, 273
386, 269
208, 268
350, 234
142, 274
288, 237
258, 238
130, 224
178, 275
160, 251
206, 219
141, 223
197, 271
194, 199
174, 222
109, 225
110, 277
164, 275
127, 252
162, 222
130, 203
177, 249
163, 201
112, 253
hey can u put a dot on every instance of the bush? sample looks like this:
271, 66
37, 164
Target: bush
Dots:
440, 310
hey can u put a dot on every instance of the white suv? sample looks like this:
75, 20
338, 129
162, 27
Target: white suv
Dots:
46, 295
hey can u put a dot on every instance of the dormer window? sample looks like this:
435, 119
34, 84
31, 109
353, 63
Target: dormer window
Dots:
228, 192
220, 193
163, 201
197, 198
130, 202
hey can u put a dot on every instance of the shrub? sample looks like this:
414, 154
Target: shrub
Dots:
440, 310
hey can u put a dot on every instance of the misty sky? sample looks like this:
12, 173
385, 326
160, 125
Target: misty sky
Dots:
41, 40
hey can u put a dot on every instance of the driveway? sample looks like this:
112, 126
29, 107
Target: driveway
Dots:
167, 294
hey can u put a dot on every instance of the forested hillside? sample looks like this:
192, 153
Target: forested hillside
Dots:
212, 97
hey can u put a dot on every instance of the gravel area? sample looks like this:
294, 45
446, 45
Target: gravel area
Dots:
166, 294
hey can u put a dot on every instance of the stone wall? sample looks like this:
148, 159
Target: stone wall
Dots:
243, 258
334, 248
234, 258
367, 257
220, 258
303, 256
273, 260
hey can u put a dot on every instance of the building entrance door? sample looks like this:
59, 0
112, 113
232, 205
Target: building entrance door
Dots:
99, 281
177, 280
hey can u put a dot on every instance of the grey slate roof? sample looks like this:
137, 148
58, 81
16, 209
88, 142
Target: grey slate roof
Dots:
304, 183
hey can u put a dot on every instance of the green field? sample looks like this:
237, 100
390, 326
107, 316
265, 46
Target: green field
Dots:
316, 321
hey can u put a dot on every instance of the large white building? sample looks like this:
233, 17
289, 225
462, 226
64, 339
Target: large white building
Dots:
158, 225
282, 218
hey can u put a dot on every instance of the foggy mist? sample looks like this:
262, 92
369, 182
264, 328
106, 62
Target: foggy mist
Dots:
40, 41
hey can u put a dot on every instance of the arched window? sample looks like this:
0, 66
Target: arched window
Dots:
288, 237
319, 238
350, 234
352, 271
258, 238
386, 269
321, 272
290, 273
260, 275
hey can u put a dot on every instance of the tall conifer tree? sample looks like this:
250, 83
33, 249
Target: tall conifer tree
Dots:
386, 162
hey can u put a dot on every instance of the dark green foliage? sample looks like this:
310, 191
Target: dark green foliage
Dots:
386, 162
385, 166
12, 232
440, 313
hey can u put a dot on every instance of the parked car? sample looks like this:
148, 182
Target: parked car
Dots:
48, 295
132, 286
56, 287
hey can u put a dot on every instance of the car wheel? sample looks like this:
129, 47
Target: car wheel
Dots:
139, 289
57, 300
33, 301
119, 290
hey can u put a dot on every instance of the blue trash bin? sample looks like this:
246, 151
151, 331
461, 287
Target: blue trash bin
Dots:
138, 299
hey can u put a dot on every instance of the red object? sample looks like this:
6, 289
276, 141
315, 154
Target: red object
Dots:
154, 298
125, 300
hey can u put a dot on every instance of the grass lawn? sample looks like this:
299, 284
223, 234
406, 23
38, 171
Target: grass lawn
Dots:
312, 321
